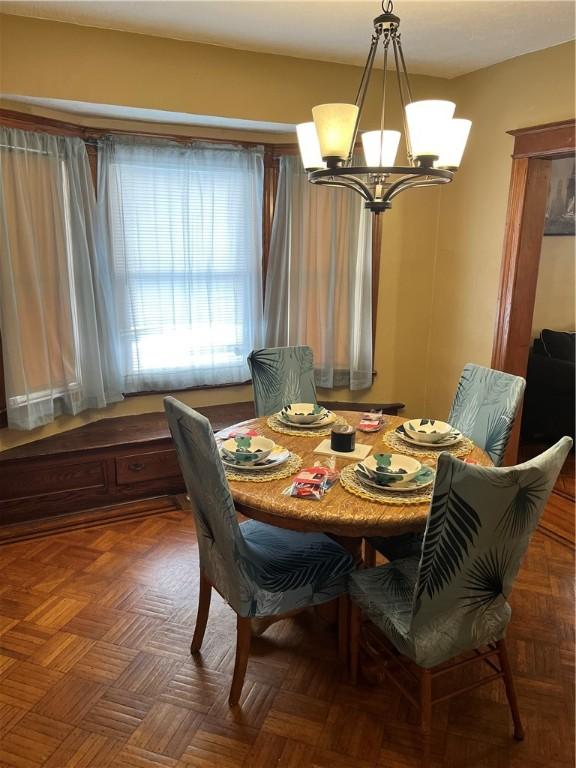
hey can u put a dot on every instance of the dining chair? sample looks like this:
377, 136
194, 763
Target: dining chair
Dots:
484, 408
281, 375
453, 597
259, 570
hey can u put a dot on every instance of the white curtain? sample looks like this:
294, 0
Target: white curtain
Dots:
182, 227
319, 279
55, 357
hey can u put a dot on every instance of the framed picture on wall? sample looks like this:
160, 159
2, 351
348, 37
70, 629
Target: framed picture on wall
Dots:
560, 213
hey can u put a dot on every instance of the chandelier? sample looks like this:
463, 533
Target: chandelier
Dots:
435, 140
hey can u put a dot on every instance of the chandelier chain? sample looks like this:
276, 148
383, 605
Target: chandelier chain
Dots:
387, 6
404, 68
387, 38
397, 53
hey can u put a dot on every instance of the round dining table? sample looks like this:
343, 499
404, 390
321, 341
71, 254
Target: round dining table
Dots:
345, 516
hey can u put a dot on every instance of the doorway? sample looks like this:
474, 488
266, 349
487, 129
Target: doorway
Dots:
535, 151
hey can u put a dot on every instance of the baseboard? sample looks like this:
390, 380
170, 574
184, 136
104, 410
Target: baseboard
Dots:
90, 518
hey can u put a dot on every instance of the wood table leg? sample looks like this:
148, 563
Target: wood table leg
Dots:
352, 545
343, 631
355, 621
328, 612
369, 555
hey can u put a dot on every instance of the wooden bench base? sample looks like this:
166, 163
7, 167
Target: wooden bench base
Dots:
80, 474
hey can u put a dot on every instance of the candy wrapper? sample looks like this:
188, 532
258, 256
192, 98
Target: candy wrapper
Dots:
240, 432
372, 421
313, 482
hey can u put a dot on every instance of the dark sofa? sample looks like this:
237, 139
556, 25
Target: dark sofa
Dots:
548, 411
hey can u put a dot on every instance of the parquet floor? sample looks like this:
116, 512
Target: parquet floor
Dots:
558, 518
95, 671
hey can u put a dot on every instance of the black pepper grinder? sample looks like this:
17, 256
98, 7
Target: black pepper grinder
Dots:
343, 438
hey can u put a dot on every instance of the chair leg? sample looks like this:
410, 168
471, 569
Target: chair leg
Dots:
510, 689
202, 615
355, 622
343, 630
243, 638
426, 715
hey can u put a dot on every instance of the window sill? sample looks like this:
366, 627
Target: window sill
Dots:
199, 388
203, 387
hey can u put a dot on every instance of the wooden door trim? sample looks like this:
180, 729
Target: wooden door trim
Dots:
524, 204
553, 140
522, 244
534, 148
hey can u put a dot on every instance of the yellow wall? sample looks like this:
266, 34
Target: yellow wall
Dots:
529, 90
555, 304
441, 249
64, 61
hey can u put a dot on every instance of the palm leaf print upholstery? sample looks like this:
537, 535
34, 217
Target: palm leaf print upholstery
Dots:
454, 596
281, 375
259, 569
484, 407
452, 527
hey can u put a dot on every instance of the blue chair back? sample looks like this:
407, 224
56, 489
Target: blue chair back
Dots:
480, 523
281, 375
220, 541
484, 407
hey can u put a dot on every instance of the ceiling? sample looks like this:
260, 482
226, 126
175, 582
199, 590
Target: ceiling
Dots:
440, 38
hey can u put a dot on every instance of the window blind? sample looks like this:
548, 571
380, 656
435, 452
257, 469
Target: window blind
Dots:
184, 233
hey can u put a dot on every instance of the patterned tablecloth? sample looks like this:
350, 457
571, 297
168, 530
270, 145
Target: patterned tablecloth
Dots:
339, 512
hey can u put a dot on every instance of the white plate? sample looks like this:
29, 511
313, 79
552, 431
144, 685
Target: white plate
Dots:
417, 484
277, 457
328, 419
454, 439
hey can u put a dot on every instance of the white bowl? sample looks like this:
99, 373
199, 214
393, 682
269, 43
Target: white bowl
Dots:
427, 430
303, 413
248, 450
390, 467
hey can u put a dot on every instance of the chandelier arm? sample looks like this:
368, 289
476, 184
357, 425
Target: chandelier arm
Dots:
350, 182
411, 182
400, 184
344, 185
395, 43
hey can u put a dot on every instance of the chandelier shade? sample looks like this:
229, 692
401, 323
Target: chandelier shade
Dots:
309, 146
428, 123
380, 147
336, 129
454, 144
434, 139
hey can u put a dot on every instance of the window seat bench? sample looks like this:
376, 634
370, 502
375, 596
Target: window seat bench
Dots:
107, 471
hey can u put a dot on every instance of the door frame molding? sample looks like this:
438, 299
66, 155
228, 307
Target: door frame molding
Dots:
534, 148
